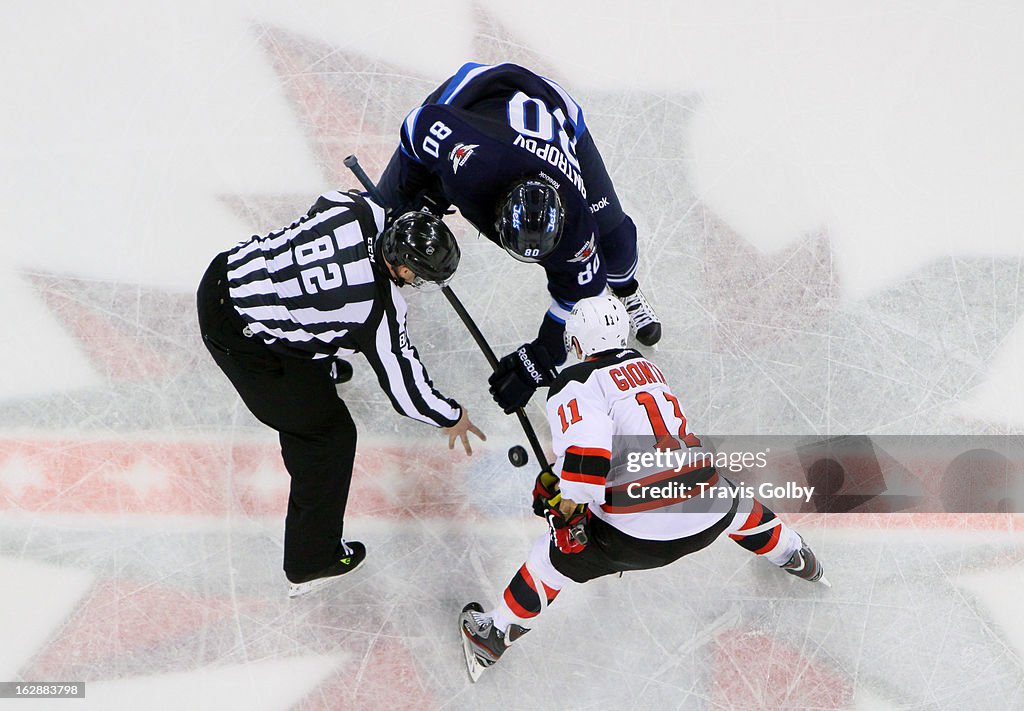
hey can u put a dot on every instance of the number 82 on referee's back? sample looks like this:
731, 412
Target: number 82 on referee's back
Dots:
321, 277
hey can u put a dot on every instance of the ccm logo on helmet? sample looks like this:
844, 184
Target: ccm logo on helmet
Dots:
636, 375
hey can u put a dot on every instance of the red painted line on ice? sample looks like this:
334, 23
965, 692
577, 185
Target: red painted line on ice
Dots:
70, 476
211, 478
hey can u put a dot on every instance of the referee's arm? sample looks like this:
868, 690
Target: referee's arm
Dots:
399, 371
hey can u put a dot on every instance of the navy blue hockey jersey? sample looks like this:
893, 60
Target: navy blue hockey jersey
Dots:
490, 125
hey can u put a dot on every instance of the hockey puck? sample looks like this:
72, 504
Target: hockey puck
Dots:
518, 456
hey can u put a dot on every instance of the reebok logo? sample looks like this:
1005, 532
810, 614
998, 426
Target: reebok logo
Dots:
529, 366
595, 206
548, 179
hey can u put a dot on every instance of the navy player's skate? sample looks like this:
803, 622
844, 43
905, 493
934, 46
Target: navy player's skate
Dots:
641, 314
482, 642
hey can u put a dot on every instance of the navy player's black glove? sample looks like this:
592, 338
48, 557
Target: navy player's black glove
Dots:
433, 204
518, 375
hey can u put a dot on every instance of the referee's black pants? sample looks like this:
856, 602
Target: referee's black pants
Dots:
298, 398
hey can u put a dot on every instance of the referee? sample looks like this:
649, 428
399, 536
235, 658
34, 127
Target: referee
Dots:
276, 312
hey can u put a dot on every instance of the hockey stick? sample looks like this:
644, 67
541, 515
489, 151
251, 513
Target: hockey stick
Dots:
352, 163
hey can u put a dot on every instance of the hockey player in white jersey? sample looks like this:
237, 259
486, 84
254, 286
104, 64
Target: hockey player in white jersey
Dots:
604, 515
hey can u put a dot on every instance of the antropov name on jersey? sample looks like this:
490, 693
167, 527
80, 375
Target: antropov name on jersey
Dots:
554, 156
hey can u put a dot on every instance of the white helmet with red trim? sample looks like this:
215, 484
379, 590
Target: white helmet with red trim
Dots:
597, 323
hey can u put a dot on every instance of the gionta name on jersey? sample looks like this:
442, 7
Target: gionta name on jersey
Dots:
636, 374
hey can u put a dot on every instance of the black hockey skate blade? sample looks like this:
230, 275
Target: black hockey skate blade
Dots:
518, 456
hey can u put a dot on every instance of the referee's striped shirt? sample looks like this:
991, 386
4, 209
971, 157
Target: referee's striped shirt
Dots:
312, 290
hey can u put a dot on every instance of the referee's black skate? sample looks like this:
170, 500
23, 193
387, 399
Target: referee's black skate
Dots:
804, 565
351, 555
483, 643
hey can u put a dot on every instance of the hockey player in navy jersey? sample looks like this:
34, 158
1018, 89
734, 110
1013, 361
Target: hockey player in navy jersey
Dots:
511, 150
606, 516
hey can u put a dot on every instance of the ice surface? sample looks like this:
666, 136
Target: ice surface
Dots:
828, 205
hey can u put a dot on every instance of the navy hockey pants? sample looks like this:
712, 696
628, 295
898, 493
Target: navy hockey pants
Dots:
298, 398
616, 229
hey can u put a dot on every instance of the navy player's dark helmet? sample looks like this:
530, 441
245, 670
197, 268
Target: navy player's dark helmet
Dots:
530, 220
424, 244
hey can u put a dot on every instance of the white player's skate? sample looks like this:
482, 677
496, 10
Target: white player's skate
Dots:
482, 643
805, 565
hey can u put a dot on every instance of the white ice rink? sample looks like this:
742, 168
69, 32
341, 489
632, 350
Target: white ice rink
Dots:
828, 198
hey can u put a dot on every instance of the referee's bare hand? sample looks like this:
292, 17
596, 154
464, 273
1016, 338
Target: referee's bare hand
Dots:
461, 430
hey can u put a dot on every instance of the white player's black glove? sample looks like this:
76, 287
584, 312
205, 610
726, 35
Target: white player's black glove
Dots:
518, 376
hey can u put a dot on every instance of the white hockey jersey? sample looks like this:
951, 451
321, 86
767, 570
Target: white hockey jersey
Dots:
622, 446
